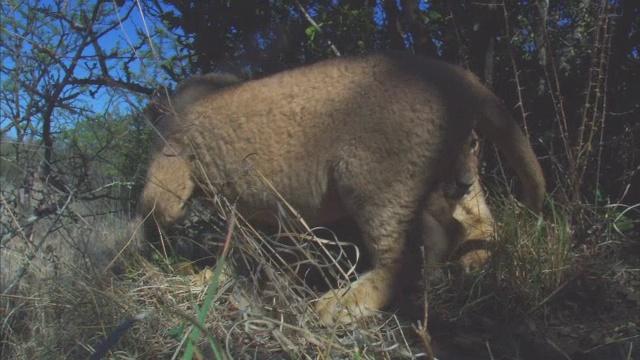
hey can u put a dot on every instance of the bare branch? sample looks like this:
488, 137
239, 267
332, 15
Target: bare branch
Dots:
109, 81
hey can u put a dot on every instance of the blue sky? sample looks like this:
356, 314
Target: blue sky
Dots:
105, 101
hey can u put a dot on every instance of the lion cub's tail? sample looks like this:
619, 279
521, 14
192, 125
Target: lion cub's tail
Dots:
498, 126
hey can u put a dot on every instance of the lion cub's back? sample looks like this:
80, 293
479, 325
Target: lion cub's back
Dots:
294, 126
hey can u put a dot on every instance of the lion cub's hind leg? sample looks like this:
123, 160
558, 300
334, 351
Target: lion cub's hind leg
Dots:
384, 216
373, 290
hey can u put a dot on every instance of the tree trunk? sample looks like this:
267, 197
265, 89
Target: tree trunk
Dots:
422, 41
396, 42
481, 42
47, 140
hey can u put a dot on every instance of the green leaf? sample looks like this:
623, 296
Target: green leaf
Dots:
310, 31
176, 332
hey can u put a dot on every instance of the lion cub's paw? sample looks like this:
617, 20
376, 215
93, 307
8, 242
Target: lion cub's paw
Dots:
203, 278
364, 297
474, 260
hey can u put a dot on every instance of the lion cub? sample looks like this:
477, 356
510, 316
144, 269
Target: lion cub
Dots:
440, 232
366, 138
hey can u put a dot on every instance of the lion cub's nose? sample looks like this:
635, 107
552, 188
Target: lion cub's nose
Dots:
462, 188
465, 182
457, 188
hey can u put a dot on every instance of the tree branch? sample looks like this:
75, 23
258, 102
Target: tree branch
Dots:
110, 81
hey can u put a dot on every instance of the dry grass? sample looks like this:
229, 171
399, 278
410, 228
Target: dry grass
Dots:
531, 260
86, 279
551, 290
82, 277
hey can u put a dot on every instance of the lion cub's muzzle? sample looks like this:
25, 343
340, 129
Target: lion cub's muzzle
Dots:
457, 188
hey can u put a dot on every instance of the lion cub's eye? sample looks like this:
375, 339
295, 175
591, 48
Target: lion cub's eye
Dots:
473, 144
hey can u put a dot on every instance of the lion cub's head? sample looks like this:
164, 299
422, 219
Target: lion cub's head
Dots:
456, 211
470, 199
464, 174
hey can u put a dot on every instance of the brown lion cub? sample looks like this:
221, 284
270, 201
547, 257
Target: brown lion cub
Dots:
440, 231
473, 213
361, 137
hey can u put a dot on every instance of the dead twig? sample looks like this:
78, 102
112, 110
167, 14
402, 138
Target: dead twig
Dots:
36, 249
421, 328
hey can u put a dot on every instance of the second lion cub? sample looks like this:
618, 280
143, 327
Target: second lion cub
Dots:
440, 232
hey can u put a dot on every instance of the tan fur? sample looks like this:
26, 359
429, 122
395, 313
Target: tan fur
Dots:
457, 212
462, 215
474, 215
440, 232
362, 137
